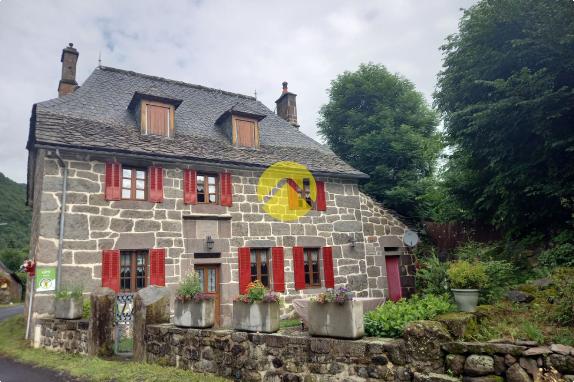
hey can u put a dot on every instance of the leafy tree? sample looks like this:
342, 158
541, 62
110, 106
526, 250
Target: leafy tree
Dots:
15, 217
506, 93
13, 258
380, 124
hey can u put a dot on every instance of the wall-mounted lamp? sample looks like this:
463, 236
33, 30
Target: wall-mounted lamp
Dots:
352, 241
209, 242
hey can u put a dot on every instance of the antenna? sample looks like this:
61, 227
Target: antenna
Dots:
100, 59
255, 94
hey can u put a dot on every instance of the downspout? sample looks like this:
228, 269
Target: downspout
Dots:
62, 219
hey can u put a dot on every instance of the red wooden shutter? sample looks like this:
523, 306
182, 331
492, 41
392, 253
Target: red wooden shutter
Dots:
394, 277
190, 187
293, 194
299, 267
111, 269
155, 184
157, 267
226, 189
113, 187
244, 268
328, 270
321, 200
278, 269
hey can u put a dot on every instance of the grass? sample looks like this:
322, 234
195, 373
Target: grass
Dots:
10, 305
289, 323
14, 346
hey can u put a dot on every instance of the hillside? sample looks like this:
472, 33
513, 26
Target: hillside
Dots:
14, 212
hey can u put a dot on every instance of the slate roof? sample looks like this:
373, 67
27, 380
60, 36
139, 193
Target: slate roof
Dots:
96, 117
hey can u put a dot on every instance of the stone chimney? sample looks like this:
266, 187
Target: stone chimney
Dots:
68, 82
287, 106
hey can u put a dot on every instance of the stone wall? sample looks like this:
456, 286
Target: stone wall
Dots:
93, 224
70, 336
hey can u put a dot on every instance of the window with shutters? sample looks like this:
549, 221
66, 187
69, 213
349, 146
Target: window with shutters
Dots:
133, 183
312, 274
133, 270
157, 118
260, 265
301, 196
245, 132
207, 188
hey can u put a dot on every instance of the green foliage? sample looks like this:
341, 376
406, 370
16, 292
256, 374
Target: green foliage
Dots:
379, 123
466, 275
561, 251
13, 211
87, 309
432, 277
506, 96
564, 280
13, 257
532, 332
391, 318
69, 292
190, 286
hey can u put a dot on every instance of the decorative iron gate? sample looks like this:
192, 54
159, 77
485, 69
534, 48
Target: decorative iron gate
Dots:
124, 324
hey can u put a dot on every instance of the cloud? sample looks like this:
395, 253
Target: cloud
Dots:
240, 46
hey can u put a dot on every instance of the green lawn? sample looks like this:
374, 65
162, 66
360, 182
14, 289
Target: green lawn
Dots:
14, 346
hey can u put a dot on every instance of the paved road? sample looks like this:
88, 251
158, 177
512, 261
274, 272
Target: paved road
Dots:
12, 371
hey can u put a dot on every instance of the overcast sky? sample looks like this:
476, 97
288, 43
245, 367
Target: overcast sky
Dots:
240, 46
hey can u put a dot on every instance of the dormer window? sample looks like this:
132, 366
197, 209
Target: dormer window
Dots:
241, 128
155, 114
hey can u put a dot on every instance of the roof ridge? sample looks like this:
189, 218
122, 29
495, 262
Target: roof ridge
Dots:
176, 82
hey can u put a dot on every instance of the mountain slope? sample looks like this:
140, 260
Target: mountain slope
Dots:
15, 216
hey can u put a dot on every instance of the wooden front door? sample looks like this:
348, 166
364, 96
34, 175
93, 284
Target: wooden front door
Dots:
394, 278
209, 276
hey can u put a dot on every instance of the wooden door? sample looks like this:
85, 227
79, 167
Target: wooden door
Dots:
209, 276
394, 277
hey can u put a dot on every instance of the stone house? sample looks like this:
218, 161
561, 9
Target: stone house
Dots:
137, 180
10, 286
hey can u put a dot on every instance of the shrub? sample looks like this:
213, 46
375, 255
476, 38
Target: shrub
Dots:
257, 292
466, 275
391, 318
432, 277
340, 296
564, 281
191, 289
561, 252
68, 293
500, 276
86, 309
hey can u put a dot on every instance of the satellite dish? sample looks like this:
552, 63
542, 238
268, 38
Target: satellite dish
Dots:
410, 238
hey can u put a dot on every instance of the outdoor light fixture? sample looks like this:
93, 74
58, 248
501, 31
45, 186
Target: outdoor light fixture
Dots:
209, 242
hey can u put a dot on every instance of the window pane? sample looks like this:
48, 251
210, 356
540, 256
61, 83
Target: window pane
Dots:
211, 179
211, 189
212, 198
126, 194
200, 188
265, 280
211, 280
140, 184
200, 274
315, 261
127, 183
316, 279
200, 179
254, 274
264, 269
140, 194
140, 174
127, 173
201, 198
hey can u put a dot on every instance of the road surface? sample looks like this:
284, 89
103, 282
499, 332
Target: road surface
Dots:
12, 371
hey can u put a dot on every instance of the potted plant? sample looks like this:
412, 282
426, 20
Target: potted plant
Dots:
193, 308
69, 303
257, 310
465, 279
334, 313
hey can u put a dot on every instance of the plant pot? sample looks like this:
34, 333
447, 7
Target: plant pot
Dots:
466, 299
190, 314
256, 317
336, 320
69, 308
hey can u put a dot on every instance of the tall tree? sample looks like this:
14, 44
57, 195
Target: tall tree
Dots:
507, 98
380, 124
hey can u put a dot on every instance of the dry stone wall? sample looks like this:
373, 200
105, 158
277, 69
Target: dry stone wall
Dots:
70, 336
93, 224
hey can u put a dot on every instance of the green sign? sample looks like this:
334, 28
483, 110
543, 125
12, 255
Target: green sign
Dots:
45, 279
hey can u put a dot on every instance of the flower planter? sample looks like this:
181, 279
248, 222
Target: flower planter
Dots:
256, 317
69, 308
336, 320
190, 314
466, 299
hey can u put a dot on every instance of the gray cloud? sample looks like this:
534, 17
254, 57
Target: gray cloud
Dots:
238, 46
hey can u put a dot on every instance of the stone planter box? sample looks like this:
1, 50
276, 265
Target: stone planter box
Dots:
466, 299
191, 314
256, 317
69, 308
336, 320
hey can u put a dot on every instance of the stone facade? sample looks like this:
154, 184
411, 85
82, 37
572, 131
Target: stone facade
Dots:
93, 224
70, 336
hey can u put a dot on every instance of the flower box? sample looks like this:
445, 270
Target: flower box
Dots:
191, 314
256, 317
69, 308
337, 320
